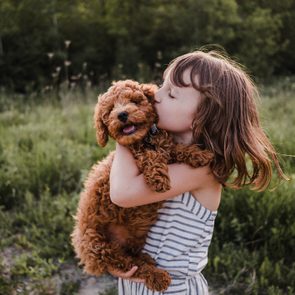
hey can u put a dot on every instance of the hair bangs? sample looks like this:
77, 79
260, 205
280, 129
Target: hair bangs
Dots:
176, 69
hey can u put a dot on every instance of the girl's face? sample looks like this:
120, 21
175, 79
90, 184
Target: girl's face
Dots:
176, 107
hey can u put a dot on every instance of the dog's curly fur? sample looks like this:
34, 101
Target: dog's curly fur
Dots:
107, 237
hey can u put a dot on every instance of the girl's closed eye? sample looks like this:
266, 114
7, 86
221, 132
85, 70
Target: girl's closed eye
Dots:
170, 94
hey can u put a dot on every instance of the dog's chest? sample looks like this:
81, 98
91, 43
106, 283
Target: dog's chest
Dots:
147, 143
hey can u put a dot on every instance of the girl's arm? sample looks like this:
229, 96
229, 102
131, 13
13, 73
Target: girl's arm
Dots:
128, 188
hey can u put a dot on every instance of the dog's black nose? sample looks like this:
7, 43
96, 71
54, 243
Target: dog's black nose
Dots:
123, 116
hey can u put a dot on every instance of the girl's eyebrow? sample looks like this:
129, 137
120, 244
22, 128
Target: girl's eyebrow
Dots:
173, 88
174, 92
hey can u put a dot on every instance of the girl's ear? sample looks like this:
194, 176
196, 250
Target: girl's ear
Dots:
149, 91
102, 134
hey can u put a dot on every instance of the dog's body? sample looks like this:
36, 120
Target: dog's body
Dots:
106, 236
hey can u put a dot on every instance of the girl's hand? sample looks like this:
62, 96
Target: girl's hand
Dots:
126, 275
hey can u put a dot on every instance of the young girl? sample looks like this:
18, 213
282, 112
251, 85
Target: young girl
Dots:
209, 100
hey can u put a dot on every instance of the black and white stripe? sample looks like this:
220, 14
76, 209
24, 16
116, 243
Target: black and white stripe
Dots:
179, 242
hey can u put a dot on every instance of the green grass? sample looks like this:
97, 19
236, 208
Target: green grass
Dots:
46, 150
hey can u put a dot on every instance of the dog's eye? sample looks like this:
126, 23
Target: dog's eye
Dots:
137, 102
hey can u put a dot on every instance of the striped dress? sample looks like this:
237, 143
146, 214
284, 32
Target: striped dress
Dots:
178, 242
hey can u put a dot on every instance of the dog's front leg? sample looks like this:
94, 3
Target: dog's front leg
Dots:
191, 155
155, 170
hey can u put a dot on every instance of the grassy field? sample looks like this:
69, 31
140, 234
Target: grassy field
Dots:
46, 149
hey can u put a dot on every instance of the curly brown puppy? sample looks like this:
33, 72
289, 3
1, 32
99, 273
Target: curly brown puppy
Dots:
106, 236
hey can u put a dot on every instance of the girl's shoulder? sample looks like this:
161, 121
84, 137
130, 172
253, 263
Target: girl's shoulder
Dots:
209, 194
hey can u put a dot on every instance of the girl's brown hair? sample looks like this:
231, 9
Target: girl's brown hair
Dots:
227, 121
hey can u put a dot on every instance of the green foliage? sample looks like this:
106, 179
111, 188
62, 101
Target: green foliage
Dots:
33, 266
106, 35
259, 36
5, 284
46, 152
111, 291
69, 288
40, 155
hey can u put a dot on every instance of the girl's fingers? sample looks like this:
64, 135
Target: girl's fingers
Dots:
127, 275
124, 275
130, 273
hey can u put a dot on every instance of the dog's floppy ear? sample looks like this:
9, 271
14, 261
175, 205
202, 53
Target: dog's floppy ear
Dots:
149, 91
102, 134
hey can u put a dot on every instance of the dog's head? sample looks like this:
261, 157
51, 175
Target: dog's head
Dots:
125, 112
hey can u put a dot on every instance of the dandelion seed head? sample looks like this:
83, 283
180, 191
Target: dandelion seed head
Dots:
68, 43
67, 63
50, 55
159, 54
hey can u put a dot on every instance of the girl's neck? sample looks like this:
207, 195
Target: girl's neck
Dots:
183, 138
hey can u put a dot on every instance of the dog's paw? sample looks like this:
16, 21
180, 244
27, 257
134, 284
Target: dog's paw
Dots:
146, 258
199, 158
158, 182
159, 280
160, 186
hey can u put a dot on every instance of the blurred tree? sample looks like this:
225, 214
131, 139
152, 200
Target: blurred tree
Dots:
285, 9
259, 36
24, 29
215, 21
116, 39
270, 26
84, 24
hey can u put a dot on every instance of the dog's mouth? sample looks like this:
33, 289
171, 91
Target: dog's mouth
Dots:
129, 129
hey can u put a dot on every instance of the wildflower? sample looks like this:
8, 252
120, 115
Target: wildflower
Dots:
159, 54
50, 55
67, 63
67, 43
75, 78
